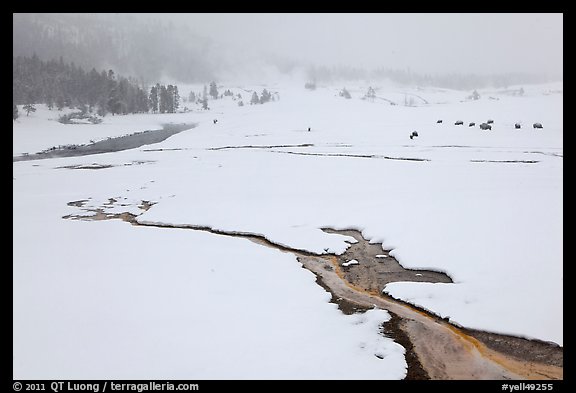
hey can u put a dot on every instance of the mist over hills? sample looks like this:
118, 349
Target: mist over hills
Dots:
151, 49
122, 42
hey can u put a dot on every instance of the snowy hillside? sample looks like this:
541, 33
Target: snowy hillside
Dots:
105, 299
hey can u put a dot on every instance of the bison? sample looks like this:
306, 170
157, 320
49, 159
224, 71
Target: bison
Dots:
490, 122
517, 126
471, 124
459, 123
439, 121
537, 125
414, 134
485, 126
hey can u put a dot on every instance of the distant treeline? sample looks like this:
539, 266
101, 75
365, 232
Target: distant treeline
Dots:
58, 84
457, 81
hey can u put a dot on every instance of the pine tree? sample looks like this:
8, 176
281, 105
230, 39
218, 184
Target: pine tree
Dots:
265, 97
170, 99
14, 112
125, 96
163, 104
113, 103
93, 88
370, 93
213, 90
205, 98
29, 108
176, 99
154, 98
102, 105
112, 98
142, 101
255, 99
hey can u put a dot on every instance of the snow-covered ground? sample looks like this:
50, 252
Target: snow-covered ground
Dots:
104, 299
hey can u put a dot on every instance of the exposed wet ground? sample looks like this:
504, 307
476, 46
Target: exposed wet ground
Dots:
376, 266
125, 142
435, 349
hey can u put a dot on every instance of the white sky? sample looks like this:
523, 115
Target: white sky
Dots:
471, 42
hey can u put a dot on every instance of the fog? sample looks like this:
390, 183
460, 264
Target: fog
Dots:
202, 47
428, 43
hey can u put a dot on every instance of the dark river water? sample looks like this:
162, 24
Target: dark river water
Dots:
110, 145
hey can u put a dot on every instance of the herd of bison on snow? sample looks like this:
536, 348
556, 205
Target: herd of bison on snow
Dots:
483, 126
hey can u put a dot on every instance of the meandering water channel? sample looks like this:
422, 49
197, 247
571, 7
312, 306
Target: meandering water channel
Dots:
120, 143
436, 349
